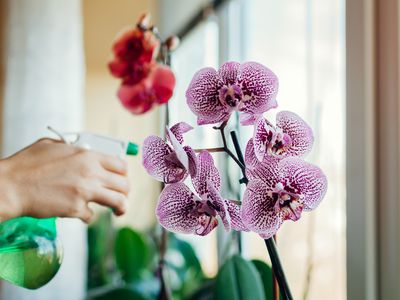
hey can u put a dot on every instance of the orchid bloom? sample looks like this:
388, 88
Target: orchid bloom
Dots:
145, 83
132, 49
156, 87
249, 88
291, 137
180, 210
279, 190
169, 162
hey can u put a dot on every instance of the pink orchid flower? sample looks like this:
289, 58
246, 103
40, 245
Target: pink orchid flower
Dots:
249, 88
169, 162
279, 190
291, 137
155, 88
180, 210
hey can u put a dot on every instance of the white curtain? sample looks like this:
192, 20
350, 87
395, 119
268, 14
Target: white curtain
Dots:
44, 75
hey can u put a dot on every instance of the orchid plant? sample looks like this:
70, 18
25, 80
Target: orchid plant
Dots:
280, 183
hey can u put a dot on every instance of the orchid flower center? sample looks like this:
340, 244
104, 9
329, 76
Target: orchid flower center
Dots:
207, 215
231, 96
276, 142
288, 202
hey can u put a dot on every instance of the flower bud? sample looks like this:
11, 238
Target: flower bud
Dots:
144, 20
172, 42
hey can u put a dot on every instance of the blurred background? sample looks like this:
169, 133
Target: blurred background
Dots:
338, 65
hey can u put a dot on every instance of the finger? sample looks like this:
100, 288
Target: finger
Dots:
86, 214
112, 199
116, 182
114, 164
47, 140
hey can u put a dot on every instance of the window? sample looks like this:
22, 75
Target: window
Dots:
303, 43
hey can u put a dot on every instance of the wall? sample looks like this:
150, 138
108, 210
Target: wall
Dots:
103, 19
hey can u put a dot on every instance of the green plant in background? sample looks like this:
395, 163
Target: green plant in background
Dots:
123, 263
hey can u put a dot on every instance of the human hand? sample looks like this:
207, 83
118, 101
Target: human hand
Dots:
53, 179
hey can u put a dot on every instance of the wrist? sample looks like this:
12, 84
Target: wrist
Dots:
10, 204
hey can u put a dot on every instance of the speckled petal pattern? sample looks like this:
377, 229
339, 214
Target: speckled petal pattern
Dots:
307, 179
158, 161
202, 97
219, 205
298, 130
175, 209
234, 213
261, 84
179, 129
206, 171
258, 212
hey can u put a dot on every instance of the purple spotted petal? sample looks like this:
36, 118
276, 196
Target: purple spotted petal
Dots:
268, 170
192, 160
206, 171
180, 152
259, 86
269, 234
229, 72
263, 134
235, 215
306, 179
250, 157
179, 129
202, 97
298, 130
160, 161
176, 209
258, 213
248, 118
219, 205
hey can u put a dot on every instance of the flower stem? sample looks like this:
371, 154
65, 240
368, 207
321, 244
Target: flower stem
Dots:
165, 292
211, 150
270, 243
221, 129
278, 270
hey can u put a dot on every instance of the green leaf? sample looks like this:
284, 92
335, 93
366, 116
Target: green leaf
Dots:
120, 293
131, 253
204, 292
184, 267
238, 279
265, 272
100, 251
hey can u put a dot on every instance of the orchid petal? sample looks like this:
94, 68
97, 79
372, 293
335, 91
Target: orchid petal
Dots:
163, 83
192, 160
202, 97
260, 85
206, 171
136, 98
179, 129
248, 118
267, 170
176, 209
235, 215
159, 162
229, 72
180, 152
219, 205
305, 179
258, 212
263, 134
250, 157
300, 133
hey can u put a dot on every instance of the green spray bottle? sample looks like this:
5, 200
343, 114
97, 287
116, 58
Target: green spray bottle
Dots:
30, 253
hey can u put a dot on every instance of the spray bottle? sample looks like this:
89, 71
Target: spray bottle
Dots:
30, 253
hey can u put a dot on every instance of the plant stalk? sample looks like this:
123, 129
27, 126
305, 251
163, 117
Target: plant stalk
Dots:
270, 243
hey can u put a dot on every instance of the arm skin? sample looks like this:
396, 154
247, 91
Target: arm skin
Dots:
53, 179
